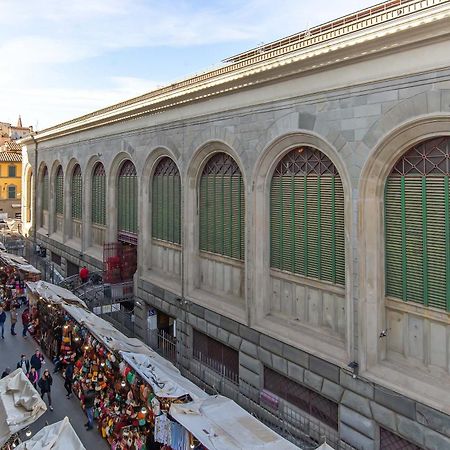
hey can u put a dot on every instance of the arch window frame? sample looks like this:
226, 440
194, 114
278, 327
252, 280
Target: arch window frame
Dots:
166, 202
307, 209
77, 193
98, 195
59, 191
221, 199
127, 202
417, 225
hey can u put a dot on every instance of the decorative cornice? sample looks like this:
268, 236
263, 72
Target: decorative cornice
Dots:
275, 61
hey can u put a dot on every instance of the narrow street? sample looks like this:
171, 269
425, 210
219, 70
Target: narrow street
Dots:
10, 350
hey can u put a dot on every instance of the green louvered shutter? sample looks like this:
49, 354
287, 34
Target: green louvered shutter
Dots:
307, 217
59, 190
417, 226
77, 193
98, 210
222, 207
166, 202
127, 199
45, 190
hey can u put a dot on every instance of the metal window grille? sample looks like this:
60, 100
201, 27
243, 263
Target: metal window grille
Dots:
222, 208
390, 441
59, 189
77, 193
309, 401
217, 356
417, 226
127, 199
98, 211
11, 191
166, 202
45, 189
307, 216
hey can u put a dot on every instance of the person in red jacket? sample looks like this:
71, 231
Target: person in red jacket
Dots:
84, 274
25, 321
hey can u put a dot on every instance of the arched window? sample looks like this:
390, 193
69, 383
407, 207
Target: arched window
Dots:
45, 189
222, 207
166, 202
98, 211
77, 193
128, 198
59, 191
417, 225
307, 216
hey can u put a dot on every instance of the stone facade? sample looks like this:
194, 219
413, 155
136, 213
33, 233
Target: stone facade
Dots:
363, 114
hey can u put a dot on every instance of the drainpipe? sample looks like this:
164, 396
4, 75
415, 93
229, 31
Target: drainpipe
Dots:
35, 179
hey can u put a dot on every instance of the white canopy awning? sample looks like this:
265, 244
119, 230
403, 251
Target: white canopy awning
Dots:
53, 293
58, 436
325, 446
221, 424
164, 378
20, 404
18, 262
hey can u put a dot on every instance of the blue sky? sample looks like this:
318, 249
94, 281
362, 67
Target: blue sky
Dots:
59, 59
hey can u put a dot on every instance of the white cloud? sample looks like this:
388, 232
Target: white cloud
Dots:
48, 34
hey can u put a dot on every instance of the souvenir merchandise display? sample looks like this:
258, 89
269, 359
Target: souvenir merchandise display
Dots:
127, 412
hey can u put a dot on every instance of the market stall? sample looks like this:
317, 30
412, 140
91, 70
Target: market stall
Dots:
141, 399
20, 405
221, 424
15, 263
58, 436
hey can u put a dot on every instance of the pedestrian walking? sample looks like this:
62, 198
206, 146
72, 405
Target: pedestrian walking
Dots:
36, 361
2, 321
45, 384
13, 314
6, 372
24, 364
25, 321
84, 274
68, 379
89, 400
33, 377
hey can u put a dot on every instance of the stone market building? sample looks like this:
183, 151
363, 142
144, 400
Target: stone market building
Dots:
290, 216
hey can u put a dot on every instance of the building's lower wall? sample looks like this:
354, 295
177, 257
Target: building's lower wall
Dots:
364, 406
6, 206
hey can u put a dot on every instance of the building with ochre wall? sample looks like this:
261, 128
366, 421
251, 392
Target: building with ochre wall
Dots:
290, 214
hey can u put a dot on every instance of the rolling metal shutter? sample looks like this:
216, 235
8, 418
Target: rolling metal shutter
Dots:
417, 226
222, 208
77, 193
166, 202
98, 212
307, 217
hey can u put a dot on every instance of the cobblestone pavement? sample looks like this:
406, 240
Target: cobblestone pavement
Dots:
10, 350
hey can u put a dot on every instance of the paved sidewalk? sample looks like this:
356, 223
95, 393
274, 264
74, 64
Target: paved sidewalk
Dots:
10, 350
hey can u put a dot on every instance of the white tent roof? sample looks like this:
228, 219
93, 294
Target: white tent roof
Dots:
164, 378
18, 262
53, 293
325, 446
221, 424
58, 436
20, 404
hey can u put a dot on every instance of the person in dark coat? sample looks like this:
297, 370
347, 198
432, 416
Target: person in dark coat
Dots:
24, 364
36, 361
45, 385
89, 400
68, 376
2, 321
6, 372
33, 377
25, 321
